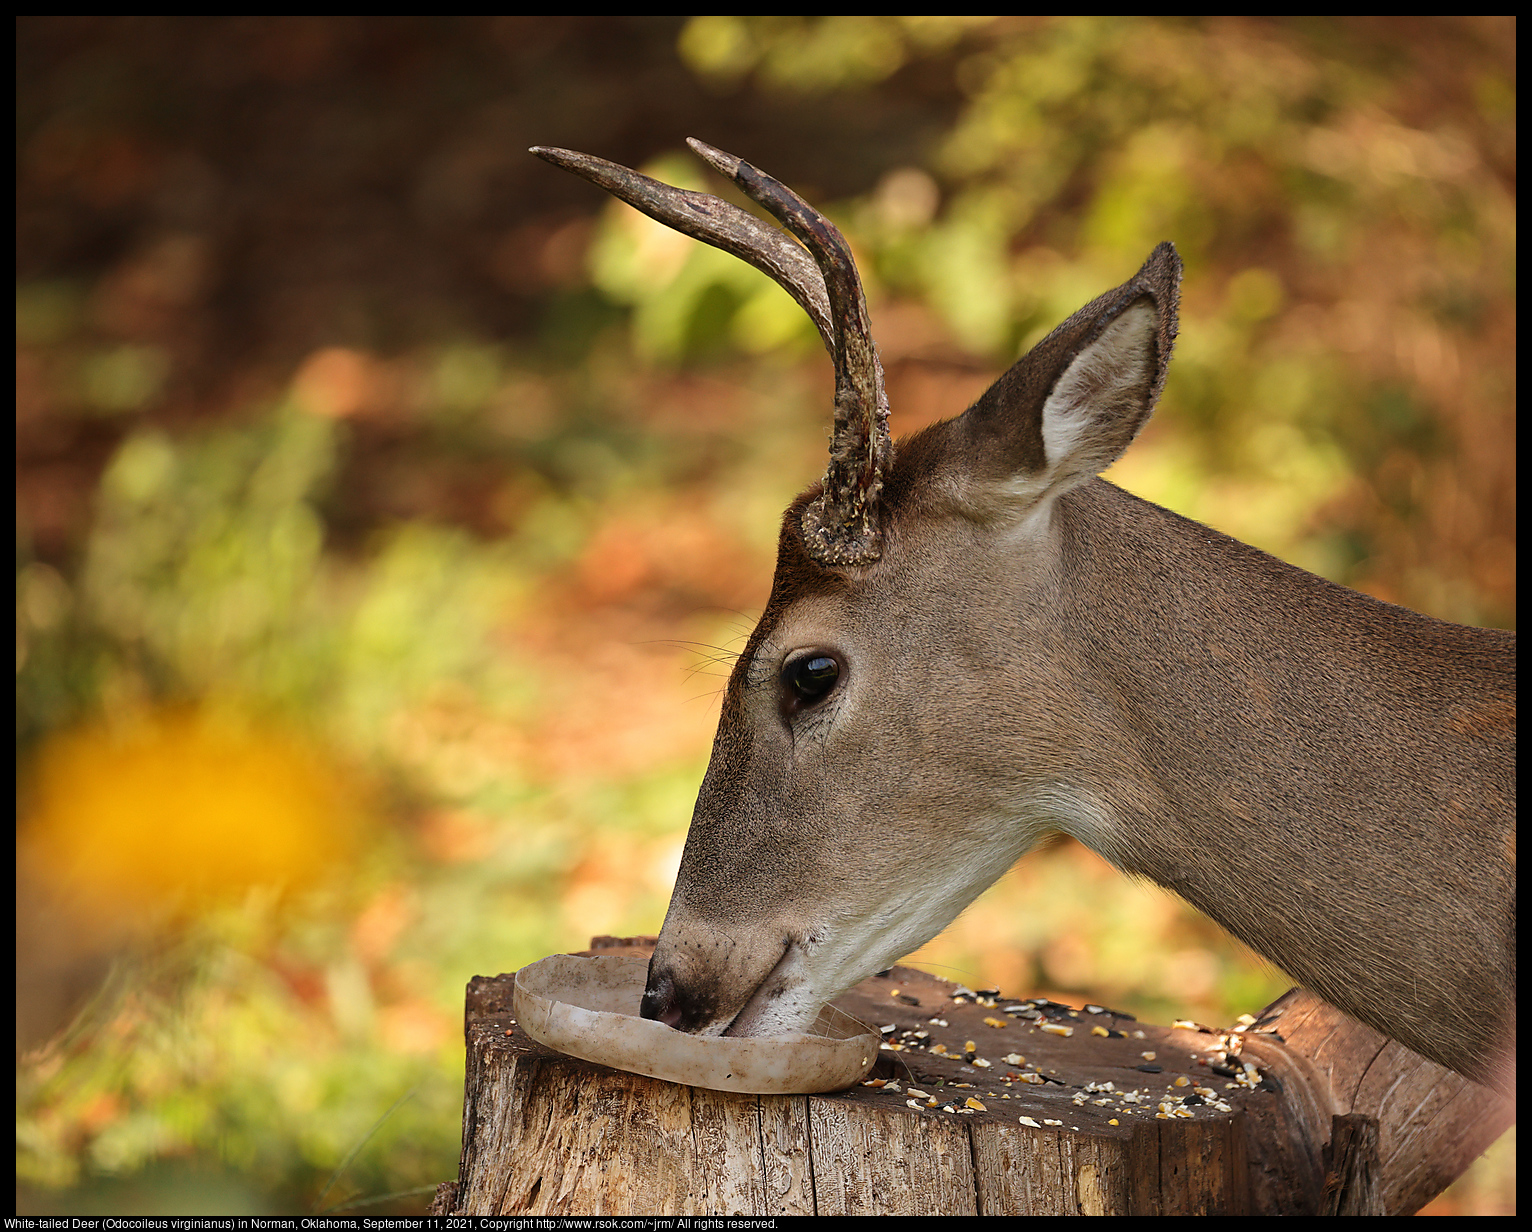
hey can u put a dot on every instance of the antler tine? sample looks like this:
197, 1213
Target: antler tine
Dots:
713, 221
841, 526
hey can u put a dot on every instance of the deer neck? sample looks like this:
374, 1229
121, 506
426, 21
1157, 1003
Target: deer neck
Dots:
1246, 727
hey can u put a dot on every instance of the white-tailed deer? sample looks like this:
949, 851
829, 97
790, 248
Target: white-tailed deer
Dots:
973, 640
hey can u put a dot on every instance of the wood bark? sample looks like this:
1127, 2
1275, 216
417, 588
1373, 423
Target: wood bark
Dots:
1329, 1118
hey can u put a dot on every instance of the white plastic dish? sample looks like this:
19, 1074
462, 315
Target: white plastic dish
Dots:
588, 1008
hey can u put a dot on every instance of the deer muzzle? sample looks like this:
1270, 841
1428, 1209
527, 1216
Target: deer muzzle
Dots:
707, 983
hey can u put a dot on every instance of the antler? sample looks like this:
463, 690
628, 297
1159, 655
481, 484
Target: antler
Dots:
840, 527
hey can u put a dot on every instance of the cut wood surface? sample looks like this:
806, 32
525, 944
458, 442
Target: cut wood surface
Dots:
980, 1104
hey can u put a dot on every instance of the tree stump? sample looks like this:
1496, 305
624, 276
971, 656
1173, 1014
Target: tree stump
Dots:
979, 1105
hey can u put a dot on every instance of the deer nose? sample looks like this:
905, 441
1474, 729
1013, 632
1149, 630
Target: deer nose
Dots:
679, 1007
661, 1002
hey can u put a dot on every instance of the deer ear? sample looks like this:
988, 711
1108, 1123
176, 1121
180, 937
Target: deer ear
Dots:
1068, 408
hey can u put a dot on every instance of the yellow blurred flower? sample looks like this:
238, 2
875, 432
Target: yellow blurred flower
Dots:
178, 810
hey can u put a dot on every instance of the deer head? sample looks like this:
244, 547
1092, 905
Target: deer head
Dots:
972, 641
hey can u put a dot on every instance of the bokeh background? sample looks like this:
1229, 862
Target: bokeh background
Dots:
390, 504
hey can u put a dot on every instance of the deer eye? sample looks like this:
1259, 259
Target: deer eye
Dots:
810, 679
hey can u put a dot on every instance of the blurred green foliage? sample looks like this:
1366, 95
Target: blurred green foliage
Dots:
206, 572
321, 557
